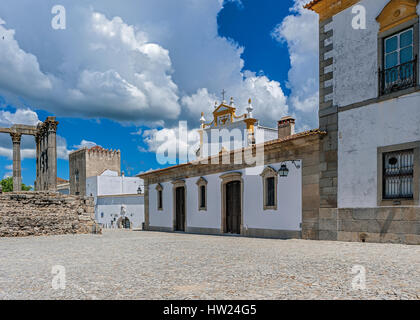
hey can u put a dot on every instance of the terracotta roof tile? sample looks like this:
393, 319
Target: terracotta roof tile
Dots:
311, 4
61, 181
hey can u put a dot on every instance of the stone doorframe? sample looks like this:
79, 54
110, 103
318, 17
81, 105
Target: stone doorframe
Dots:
176, 184
226, 178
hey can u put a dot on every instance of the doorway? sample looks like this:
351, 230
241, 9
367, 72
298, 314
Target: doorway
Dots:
124, 223
180, 209
233, 207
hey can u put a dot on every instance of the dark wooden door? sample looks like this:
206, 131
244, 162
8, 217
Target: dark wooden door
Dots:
233, 207
180, 209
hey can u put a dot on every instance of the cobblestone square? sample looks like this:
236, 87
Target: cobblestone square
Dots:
153, 265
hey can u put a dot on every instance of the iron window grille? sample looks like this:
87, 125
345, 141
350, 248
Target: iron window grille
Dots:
398, 78
398, 171
400, 63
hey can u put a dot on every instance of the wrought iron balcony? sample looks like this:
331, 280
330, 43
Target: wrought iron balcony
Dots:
399, 77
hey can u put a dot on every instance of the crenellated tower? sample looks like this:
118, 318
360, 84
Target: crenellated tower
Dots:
90, 162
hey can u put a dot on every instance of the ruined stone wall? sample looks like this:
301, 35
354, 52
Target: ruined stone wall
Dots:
45, 213
380, 224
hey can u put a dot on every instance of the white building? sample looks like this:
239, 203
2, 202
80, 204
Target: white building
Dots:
278, 198
370, 107
357, 178
119, 200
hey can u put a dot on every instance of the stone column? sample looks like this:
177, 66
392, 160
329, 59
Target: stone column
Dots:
52, 153
17, 173
38, 161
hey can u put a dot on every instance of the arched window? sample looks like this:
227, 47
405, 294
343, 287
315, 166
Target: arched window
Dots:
202, 194
398, 46
159, 190
269, 179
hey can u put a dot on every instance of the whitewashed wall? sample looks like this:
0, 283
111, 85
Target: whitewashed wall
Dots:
110, 206
287, 217
355, 55
110, 185
361, 132
204, 219
162, 218
262, 134
269, 133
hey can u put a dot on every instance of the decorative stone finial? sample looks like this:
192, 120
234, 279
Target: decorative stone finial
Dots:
202, 120
250, 108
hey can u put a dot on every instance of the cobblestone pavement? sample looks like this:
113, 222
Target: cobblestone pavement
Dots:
152, 265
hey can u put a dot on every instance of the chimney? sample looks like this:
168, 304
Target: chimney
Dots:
286, 127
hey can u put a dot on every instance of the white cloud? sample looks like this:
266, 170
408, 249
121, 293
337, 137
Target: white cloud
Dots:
21, 116
109, 70
137, 133
201, 101
19, 71
150, 62
85, 144
7, 175
62, 151
28, 117
172, 143
299, 30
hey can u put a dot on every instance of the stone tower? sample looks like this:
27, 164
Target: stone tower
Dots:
85, 163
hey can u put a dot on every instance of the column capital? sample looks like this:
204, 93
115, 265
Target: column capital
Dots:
16, 137
52, 125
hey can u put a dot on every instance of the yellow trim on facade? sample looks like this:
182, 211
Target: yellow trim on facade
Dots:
328, 8
229, 110
250, 124
397, 12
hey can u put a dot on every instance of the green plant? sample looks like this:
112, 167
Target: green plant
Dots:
7, 185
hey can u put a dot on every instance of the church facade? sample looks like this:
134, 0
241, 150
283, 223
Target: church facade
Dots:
356, 178
217, 194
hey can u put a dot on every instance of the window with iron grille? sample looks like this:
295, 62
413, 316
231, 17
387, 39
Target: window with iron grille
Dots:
398, 170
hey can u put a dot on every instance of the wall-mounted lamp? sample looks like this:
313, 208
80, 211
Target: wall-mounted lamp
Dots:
283, 171
139, 190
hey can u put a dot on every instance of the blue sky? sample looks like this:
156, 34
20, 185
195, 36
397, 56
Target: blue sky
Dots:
84, 74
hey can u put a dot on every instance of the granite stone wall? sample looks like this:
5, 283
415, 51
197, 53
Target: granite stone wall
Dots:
380, 224
45, 213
